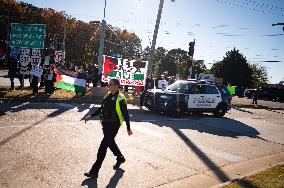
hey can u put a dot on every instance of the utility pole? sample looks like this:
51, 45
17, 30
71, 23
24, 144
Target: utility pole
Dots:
63, 44
151, 56
190, 61
102, 42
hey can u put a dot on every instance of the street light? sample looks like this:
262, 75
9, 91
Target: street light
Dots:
278, 24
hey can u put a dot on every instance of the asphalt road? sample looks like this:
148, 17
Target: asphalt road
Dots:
49, 145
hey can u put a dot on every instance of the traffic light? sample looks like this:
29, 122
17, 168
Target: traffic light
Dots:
191, 48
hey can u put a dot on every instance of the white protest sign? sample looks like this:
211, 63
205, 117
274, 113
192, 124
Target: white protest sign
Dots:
58, 56
36, 71
46, 60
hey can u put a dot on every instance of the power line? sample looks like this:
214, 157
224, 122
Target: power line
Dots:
255, 6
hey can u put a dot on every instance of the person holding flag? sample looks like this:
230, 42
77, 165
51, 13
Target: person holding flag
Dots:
112, 112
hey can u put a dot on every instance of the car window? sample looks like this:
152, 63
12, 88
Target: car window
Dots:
178, 86
173, 87
210, 89
195, 89
183, 87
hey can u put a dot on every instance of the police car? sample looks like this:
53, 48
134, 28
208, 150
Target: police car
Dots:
189, 96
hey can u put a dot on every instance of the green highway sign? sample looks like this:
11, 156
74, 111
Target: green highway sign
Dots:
27, 35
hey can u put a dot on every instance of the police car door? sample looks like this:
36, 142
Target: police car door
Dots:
193, 95
202, 96
211, 96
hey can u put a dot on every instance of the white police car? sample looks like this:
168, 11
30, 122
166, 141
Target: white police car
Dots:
189, 96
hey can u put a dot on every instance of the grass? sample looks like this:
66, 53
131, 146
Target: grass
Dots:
255, 106
58, 94
271, 177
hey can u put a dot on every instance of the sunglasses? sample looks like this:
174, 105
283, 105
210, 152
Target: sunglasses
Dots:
111, 84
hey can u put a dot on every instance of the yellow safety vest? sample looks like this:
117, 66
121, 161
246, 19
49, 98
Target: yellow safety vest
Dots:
119, 98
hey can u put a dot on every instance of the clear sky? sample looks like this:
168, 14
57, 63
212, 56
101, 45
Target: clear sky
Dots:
216, 25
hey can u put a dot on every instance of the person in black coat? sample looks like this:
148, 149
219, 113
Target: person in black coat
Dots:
112, 112
12, 73
149, 84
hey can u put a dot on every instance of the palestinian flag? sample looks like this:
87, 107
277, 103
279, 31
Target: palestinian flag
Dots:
69, 80
109, 67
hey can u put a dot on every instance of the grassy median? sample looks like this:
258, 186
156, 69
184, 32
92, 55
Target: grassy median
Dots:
58, 94
271, 177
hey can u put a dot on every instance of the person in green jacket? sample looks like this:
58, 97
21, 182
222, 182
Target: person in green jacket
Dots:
112, 112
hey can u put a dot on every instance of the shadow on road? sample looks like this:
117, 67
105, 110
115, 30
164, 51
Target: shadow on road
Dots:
225, 127
115, 178
90, 182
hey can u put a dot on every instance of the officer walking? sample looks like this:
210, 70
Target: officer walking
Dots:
112, 112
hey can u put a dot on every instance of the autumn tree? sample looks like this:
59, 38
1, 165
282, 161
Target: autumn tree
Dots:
259, 75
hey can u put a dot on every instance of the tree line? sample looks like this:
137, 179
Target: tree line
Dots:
82, 46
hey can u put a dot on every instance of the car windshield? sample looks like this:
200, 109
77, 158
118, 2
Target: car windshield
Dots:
177, 86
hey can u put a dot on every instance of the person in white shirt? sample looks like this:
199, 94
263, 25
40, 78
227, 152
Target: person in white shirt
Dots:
162, 83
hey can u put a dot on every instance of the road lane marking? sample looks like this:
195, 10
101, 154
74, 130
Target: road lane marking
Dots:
146, 130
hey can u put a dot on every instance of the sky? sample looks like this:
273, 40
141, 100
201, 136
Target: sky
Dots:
216, 25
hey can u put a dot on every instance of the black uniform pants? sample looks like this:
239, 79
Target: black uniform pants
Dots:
254, 100
110, 131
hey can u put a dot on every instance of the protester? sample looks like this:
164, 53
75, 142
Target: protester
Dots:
149, 84
49, 79
94, 76
81, 74
162, 83
112, 112
157, 80
12, 73
34, 84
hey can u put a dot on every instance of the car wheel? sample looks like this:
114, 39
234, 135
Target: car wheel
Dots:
220, 111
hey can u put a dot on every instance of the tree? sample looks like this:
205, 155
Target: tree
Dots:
199, 67
234, 69
160, 53
180, 60
82, 39
259, 75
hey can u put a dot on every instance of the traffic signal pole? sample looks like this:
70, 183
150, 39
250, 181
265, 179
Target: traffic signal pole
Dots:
190, 61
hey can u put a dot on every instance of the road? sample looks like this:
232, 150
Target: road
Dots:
48, 145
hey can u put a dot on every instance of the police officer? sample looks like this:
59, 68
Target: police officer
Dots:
112, 112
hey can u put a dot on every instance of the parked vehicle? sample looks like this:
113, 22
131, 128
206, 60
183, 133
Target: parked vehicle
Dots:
189, 96
248, 92
272, 93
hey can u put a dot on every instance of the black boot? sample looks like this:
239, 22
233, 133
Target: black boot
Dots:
119, 161
91, 175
